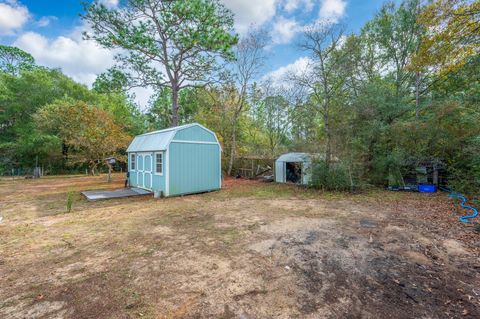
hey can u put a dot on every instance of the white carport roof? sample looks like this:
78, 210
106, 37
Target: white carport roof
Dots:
295, 157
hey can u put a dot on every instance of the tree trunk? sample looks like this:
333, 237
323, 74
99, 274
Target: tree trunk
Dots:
232, 150
417, 94
93, 165
174, 106
328, 150
272, 146
109, 177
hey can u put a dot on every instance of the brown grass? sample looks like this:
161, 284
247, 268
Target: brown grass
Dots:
251, 250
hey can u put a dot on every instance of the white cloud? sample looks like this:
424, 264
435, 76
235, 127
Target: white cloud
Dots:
292, 5
142, 96
45, 21
260, 12
110, 3
251, 12
332, 10
79, 59
280, 76
13, 16
284, 30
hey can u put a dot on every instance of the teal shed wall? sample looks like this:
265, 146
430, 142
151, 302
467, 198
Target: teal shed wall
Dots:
193, 164
194, 168
159, 183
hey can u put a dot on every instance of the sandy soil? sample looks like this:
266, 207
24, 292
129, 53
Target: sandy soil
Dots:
252, 250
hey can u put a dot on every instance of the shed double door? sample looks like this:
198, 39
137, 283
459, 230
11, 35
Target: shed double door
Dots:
144, 171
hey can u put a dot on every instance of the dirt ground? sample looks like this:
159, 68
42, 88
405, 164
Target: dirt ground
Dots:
251, 250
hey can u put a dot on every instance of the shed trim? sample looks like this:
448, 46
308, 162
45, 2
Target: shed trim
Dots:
154, 160
167, 171
193, 142
219, 166
143, 170
175, 128
180, 128
134, 169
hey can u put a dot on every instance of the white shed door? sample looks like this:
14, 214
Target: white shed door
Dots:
280, 172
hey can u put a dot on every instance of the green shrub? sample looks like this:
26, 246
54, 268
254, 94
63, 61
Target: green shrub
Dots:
70, 199
465, 180
335, 177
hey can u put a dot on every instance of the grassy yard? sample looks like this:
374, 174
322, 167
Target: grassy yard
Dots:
251, 250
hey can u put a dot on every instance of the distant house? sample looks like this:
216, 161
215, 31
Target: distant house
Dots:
176, 161
294, 168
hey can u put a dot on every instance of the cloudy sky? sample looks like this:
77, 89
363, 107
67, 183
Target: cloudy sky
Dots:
52, 31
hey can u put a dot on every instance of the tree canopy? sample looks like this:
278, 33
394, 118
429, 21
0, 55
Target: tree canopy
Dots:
403, 91
25, 92
172, 44
13, 60
88, 133
453, 34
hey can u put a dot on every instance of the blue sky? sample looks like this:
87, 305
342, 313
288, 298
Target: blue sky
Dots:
51, 31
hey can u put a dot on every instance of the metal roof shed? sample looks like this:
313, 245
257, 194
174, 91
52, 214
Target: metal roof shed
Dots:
176, 161
294, 167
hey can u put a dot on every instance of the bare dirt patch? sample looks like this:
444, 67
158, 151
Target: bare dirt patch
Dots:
252, 250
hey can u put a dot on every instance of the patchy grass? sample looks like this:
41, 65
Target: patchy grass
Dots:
252, 249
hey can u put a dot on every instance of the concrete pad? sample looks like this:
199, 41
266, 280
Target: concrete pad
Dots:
118, 193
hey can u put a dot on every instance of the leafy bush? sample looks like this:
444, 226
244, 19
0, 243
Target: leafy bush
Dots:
464, 172
335, 177
70, 198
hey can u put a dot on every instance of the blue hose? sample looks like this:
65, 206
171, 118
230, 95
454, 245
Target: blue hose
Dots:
465, 218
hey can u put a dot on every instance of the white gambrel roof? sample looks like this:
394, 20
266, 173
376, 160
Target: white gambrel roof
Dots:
157, 140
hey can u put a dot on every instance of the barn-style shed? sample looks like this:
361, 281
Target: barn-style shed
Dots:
176, 161
294, 168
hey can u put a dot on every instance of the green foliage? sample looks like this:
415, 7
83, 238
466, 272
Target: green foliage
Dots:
114, 80
160, 113
88, 133
377, 101
454, 35
380, 127
333, 177
274, 113
70, 200
124, 111
13, 60
185, 37
22, 95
